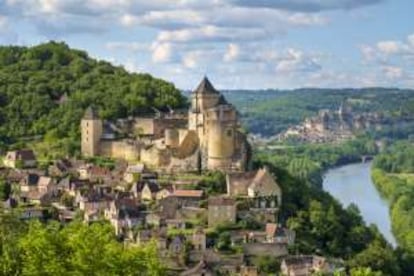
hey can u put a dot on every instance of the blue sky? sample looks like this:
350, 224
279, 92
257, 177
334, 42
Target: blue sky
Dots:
237, 43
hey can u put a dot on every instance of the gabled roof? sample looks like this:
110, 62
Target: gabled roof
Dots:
205, 87
91, 114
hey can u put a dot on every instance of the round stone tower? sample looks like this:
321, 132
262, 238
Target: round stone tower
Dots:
91, 133
221, 129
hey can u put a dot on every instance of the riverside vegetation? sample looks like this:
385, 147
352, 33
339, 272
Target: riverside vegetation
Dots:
393, 174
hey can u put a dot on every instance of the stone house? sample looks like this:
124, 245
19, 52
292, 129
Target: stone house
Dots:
145, 236
29, 183
304, 265
259, 184
188, 197
221, 210
20, 159
95, 173
124, 214
93, 201
278, 234
146, 191
198, 240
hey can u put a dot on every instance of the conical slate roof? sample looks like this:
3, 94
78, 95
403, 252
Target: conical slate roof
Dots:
205, 87
91, 114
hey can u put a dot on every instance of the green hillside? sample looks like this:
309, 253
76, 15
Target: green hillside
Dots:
44, 90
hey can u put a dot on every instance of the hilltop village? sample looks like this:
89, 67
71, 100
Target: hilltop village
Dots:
181, 180
339, 125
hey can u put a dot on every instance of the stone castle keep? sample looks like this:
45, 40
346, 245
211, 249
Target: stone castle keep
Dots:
207, 138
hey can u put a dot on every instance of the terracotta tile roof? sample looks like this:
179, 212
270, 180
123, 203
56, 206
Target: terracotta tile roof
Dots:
188, 193
271, 229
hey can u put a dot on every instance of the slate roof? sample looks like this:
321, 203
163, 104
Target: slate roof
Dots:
25, 155
205, 87
90, 114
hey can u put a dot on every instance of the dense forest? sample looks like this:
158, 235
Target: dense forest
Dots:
393, 174
45, 89
35, 248
286, 108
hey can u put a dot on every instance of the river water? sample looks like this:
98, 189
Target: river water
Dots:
353, 184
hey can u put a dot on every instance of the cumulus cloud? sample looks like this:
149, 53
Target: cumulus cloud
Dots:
129, 46
307, 5
232, 53
389, 49
161, 52
211, 33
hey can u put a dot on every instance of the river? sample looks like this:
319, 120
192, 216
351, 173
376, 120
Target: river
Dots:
353, 184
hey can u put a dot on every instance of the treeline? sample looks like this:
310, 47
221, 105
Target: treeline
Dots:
46, 88
325, 228
35, 248
393, 174
308, 162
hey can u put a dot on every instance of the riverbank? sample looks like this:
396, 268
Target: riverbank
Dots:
352, 184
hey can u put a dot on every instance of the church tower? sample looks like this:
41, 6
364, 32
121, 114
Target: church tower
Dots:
91, 132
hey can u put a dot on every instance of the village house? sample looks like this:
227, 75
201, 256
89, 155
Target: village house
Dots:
221, 210
93, 202
29, 183
304, 265
188, 197
199, 240
260, 189
95, 174
20, 159
146, 191
37, 189
147, 235
124, 214
278, 234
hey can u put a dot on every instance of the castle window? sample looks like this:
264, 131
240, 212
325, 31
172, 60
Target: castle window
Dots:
229, 132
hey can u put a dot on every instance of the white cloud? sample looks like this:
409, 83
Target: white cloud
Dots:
129, 46
388, 47
308, 5
161, 52
211, 33
232, 53
393, 72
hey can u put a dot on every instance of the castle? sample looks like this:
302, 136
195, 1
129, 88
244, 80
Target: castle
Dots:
207, 138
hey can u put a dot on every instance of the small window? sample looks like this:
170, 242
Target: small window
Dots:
229, 132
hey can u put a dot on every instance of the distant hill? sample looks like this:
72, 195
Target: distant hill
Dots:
45, 89
268, 112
